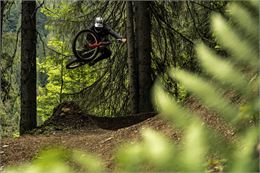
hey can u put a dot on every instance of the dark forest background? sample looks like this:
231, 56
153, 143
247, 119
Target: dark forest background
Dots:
105, 89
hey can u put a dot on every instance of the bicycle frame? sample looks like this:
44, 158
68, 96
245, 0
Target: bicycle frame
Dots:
96, 45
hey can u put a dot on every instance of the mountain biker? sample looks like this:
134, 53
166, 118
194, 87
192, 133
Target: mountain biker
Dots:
102, 31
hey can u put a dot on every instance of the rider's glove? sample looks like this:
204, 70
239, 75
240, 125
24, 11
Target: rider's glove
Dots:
123, 40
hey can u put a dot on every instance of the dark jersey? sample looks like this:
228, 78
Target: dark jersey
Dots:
103, 33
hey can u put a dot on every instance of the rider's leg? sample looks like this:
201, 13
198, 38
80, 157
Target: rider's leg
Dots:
105, 53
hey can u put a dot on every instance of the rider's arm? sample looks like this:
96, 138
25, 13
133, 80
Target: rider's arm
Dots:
113, 33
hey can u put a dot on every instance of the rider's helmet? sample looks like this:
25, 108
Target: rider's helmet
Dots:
99, 22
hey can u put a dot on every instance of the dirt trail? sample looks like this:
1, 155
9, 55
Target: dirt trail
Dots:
69, 127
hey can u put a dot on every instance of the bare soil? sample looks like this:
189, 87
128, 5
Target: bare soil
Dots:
71, 128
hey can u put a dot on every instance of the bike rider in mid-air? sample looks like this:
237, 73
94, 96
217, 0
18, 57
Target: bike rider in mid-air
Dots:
102, 31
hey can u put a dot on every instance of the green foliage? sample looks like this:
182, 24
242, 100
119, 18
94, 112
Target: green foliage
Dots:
10, 67
57, 160
191, 154
12, 15
156, 152
225, 76
100, 89
10, 74
56, 80
176, 26
109, 93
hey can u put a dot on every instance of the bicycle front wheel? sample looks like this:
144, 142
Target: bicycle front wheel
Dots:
81, 45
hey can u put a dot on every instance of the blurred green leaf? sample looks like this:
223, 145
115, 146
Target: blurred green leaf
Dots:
221, 69
170, 108
195, 147
130, 157
206, 92
246, 158
88, 162
243, 17
158, 150
241, 49
51, 161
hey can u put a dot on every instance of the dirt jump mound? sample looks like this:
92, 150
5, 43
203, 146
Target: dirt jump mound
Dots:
68, 115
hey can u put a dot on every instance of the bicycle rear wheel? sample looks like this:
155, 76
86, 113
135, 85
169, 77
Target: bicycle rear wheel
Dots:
74, 63
81, 45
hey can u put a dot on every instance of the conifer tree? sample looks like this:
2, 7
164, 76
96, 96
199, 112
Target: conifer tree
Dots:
28, 67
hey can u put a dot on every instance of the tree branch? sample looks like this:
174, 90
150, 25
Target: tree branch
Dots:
161, 18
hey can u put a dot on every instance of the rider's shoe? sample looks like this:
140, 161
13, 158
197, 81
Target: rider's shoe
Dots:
91, 63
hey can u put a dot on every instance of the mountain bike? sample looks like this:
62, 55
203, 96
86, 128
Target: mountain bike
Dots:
85, 47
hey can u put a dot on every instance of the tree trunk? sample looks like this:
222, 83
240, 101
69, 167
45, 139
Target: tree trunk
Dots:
2, 18
131, 60
28, 67
143, 24
1, 37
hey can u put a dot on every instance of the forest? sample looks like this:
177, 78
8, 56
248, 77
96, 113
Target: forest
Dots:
129, 86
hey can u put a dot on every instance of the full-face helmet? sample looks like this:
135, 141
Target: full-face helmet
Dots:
99, 22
